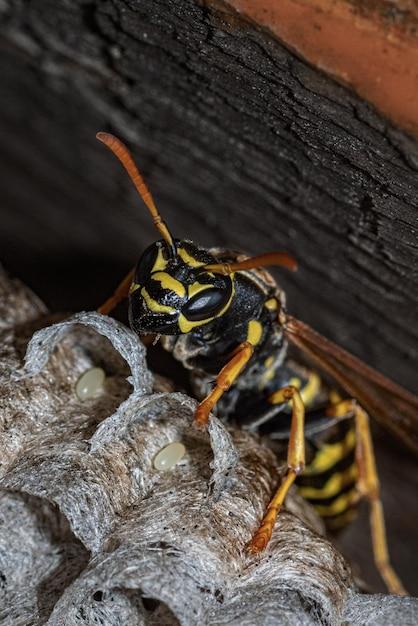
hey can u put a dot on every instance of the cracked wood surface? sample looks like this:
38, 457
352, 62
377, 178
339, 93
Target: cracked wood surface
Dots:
243, 145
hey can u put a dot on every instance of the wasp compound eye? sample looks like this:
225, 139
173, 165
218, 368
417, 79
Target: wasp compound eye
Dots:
207, 303
145, 265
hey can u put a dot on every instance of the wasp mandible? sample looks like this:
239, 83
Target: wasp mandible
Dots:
222, 315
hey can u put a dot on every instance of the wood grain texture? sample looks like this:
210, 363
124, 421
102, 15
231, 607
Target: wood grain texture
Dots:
243, 145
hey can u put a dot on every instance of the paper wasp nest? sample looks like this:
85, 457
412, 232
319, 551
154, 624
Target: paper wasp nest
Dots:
91, 533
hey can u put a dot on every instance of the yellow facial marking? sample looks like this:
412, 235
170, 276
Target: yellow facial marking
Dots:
168, 282
187, 258
271, 304
155, 306
134, 287
330, 454
196, 287
254, 332
339, 505
160, 263
186, 325
333, 485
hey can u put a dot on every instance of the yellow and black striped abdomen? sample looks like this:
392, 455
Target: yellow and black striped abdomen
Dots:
329, 481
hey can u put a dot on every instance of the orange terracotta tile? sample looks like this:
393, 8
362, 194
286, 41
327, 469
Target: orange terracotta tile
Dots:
372, 45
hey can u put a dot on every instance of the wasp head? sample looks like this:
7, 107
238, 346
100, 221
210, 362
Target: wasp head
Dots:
172, 293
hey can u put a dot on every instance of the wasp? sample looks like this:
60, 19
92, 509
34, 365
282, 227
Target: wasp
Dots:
224, 317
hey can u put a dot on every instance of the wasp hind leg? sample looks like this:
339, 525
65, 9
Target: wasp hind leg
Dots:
295, 465
121, 292
368, 486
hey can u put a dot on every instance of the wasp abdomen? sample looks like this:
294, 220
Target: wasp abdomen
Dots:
329, 481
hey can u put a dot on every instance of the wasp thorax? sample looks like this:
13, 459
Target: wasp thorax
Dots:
172, 294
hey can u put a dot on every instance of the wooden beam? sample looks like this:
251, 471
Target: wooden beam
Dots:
243, 145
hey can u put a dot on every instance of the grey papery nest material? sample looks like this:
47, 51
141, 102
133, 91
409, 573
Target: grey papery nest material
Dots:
91, 533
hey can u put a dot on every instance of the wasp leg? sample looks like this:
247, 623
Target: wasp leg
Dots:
120, 294
295, 465
228, 374
368, 486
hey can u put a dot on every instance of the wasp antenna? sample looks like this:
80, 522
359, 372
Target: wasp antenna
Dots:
270, 258
121, 151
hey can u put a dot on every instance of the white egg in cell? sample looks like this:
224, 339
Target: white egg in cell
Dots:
169, 456
90, 383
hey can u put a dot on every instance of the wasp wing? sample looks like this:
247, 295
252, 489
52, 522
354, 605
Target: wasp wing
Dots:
390, 404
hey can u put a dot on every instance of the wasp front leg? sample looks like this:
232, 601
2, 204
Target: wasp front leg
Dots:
295, 465
368, 486
228, 374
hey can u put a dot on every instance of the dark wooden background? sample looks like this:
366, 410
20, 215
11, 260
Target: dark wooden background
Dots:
243, 144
